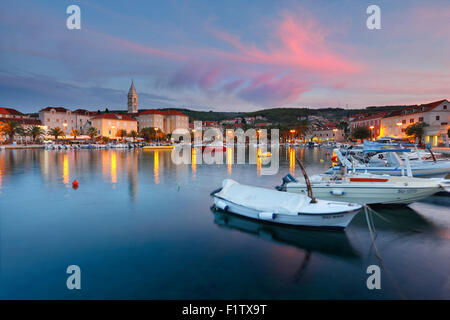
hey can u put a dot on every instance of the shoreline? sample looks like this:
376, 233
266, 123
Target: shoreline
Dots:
30, 146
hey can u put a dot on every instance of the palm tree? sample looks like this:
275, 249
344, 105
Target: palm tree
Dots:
303, 129
75, 133
56, 132
35, 132
11, 128
133, 134
91, 132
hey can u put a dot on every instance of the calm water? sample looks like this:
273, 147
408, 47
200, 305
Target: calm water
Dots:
141, 227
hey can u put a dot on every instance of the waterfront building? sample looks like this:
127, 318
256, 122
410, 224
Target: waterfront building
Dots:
9, 114
52, 117
165, 120
326, 134
132, 99
109, 124
435, 114
373, 122
175, 120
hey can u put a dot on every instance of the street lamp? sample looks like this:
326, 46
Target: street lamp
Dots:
371, 132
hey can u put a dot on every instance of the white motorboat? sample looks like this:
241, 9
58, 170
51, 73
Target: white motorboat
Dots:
282, 207
366, 188
391, 164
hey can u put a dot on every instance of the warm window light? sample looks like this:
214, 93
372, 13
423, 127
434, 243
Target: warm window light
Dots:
334, 130
371, 127
399, 124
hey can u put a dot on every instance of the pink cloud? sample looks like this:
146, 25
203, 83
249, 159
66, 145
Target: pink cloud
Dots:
299, 45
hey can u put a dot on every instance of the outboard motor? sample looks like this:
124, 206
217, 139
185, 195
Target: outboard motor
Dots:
286, 179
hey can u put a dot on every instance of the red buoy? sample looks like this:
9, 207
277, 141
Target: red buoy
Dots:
75, 184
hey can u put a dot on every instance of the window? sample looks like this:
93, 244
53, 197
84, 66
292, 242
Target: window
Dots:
444, 107
403, 121
57, 120
411, 120
437, 117
48, 119
421, 119
444, 123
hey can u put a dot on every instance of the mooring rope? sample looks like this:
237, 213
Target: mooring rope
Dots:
390, 222
377, 253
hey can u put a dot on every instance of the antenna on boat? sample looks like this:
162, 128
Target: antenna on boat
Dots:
308, 184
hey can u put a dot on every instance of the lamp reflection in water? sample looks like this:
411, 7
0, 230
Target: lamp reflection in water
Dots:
292, 161
156, 166
229, 159
194, 161
66, 169
113, 167
258, 161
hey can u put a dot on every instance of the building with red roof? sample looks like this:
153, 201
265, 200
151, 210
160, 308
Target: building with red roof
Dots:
435, 114
373, 122
110, 124
165, 120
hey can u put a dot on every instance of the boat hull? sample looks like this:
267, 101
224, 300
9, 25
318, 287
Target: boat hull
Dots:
367, 195
337, 219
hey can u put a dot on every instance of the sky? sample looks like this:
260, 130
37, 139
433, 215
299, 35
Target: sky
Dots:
223, 55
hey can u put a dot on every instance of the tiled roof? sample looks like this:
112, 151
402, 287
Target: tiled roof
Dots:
83, 112
113, 116
57, 109
25, 121
371, 117
10, 111
163, 112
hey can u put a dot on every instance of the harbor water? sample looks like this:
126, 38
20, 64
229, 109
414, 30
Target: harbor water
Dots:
141, 227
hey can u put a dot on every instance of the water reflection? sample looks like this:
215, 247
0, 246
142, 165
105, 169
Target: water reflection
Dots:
229, 160
194, 161
292, 161
413, 241
329, 242
156, 166
66, 169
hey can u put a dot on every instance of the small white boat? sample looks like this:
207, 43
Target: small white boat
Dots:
366, 188
282, 207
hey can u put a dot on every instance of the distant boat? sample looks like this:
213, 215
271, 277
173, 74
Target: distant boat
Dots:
282, 207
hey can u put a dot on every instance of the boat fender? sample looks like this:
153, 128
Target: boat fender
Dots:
267, 215
221, 205
337, 192
75, 184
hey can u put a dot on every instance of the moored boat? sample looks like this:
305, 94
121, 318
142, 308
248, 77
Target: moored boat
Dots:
284, 208
366, 188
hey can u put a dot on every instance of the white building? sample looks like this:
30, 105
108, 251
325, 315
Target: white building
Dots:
435, 114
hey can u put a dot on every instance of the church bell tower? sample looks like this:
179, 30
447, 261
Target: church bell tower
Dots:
132, 99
